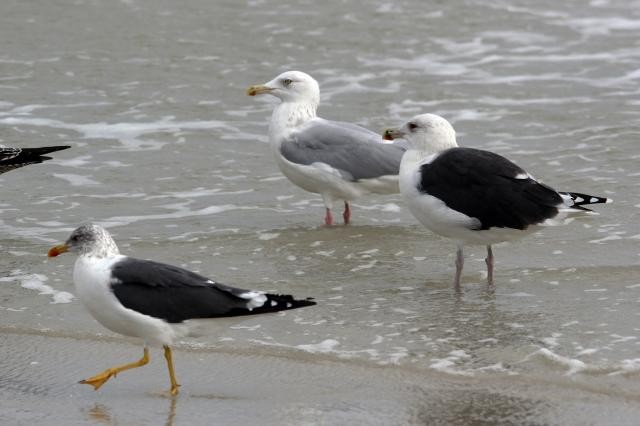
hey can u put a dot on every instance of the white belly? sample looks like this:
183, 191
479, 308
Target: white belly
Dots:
321, 179
434, 214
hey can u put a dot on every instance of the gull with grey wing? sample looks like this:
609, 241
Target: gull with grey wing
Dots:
340, 161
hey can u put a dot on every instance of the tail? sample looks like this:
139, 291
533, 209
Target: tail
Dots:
257, 302
577, 200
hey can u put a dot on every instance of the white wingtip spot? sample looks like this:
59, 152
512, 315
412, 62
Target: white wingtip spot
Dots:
274, 303
256, 299
593, 200
579, 199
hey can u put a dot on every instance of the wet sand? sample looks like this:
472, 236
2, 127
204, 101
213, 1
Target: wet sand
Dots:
272, 387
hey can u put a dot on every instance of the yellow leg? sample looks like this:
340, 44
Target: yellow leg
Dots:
172, 373
100, 379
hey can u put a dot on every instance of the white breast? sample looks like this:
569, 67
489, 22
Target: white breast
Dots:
92, 279
430, 211
434, 214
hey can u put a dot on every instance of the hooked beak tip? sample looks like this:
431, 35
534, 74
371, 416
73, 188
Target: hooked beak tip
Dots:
258, 90
388, 135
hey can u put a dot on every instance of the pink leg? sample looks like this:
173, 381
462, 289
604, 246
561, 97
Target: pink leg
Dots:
490, 262
328, 219
459, 264
346, 215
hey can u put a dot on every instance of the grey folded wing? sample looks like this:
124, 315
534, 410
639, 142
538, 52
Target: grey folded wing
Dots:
354, 151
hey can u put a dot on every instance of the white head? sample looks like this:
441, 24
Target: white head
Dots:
425, 132
290, 86
88, 240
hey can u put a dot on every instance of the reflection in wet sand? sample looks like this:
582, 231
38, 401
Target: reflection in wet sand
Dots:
461, 407
101, 414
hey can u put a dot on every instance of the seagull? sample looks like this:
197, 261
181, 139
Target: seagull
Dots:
156, 302
13, 158
474, 196
340, 161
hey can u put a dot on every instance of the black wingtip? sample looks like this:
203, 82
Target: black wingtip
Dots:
14, 158
54, 148
309, 301
289, 299
284, 302
580, 200
47, 149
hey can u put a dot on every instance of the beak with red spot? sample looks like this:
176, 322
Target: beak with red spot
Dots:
258, 89
391, 134
57, 250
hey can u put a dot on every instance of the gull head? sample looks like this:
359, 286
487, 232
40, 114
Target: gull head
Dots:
425, 132
290, 86
89, 240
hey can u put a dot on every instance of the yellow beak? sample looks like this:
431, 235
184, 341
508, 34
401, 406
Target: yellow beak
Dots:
258, 90
56, 250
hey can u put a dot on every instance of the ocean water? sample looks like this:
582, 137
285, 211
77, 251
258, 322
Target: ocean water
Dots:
171, 155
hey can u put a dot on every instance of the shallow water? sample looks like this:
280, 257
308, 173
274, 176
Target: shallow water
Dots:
171, 156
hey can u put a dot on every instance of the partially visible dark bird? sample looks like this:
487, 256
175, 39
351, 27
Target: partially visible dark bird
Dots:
13, 158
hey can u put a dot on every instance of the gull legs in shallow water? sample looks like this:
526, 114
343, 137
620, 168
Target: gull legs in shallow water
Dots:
100, 378
489, 260
346, 215
459, 265
328, 218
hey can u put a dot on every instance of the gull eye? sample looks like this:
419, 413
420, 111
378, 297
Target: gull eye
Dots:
412, 126
287, 82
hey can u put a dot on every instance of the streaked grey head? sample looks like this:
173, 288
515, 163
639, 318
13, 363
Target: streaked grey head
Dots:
92, 240
426, 132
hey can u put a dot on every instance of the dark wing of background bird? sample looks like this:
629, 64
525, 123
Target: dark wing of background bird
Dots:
12, 158
488, 187
176, 294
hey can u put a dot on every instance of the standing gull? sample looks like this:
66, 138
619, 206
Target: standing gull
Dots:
339, 161
12, 158
154, 301
474, 196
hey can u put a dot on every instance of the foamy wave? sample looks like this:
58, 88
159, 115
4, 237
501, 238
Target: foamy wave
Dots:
448, 364
37, 282
575, 366
181, 212
323, 347
129, 134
